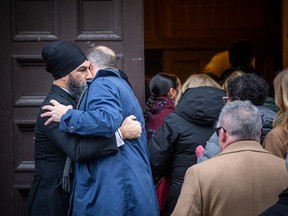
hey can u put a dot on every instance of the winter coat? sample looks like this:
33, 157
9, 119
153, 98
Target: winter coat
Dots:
243, 180
270, 103
172, 148
267, 116
121, 184
46, 196
275, 142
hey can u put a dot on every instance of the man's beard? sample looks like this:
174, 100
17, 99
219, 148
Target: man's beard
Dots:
75, 88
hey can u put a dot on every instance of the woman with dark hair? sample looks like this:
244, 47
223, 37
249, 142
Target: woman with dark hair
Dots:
172, 148
164, 88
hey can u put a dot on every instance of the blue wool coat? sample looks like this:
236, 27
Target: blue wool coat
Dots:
114, 185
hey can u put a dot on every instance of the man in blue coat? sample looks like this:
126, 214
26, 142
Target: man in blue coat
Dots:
119, 184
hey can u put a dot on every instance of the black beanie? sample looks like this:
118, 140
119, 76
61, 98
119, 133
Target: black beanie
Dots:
62, 58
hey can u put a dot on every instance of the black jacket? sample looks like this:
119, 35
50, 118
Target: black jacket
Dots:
46, 196
172, 148
280, 208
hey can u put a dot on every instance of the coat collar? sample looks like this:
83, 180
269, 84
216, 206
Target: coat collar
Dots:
107, 72
245, 145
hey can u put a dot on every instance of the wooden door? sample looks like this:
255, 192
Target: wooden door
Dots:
27, 26
285, 33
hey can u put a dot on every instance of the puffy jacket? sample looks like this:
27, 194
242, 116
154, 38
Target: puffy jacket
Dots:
172, 149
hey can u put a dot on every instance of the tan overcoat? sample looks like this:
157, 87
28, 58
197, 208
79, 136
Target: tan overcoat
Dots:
274, 141
244, 179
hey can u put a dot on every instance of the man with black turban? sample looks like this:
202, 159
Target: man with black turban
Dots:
70, 68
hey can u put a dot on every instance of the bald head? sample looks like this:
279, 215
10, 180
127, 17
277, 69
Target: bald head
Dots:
102, 57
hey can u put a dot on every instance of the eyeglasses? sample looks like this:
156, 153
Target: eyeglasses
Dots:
225, 99
217, 130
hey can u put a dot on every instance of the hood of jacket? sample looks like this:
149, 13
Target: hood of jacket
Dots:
201, 105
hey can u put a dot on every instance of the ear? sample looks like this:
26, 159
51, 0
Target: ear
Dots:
92, 66
222, 138
172, 93
64, 78
93, 69
62, 82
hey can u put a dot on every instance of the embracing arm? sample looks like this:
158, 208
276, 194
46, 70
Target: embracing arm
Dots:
128, 129
80, 148
103, 115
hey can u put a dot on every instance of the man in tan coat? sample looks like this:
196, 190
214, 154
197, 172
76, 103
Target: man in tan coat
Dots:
244, 179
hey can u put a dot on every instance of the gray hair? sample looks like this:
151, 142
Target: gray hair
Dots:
103, 57
241, 119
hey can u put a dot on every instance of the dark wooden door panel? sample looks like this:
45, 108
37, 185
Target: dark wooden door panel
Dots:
28, 27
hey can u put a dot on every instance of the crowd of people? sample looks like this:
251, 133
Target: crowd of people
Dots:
208, 146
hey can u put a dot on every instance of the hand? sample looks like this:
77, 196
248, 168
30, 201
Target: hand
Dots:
131, 128
56, 111
199, 151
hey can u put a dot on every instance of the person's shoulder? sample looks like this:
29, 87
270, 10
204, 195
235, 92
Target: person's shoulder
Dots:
106, 81
270, 103
207, 164
60, 95
279, 130
107, 72
267, 113
226, 73
265, 109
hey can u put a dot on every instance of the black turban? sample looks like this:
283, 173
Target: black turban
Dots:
62, 58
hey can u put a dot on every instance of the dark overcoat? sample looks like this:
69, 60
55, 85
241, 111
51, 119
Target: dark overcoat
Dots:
172, 148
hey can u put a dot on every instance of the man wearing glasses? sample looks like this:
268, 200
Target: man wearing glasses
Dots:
244, 179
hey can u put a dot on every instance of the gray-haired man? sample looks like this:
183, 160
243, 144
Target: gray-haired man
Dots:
244, 178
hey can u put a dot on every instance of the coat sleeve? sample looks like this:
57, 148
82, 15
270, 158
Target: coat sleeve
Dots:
189, 201
103, 111
81, 148
275, 144
211, 149
160, 150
